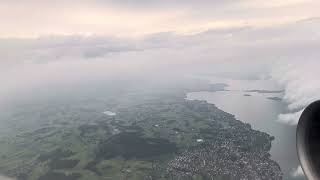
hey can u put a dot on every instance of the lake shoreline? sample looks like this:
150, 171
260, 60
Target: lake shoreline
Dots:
247, 109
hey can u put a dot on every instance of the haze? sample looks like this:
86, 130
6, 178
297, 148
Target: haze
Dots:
46, 42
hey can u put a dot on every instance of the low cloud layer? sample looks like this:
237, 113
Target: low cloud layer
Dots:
300, 77
288, 53
297, 172
290, 118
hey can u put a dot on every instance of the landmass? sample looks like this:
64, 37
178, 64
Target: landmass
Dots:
151, 134
217, 87
275, 98
264, 91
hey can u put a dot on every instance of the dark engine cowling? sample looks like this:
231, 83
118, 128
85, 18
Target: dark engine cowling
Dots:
308, 141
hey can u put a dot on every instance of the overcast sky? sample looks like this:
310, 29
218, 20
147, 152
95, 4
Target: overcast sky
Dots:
35, 18
44, 41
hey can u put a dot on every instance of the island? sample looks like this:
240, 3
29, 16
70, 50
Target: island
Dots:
264, 91
275, 98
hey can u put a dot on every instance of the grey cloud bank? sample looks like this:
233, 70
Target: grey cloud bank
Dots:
288, 53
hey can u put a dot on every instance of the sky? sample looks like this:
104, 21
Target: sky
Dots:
127, 18
60, 42
103, 38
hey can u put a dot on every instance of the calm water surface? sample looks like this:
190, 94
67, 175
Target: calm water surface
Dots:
261, 113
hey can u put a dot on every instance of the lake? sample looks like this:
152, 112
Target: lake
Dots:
262, 113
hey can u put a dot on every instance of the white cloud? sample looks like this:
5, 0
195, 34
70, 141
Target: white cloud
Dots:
290, 118
297, 172
300, 77
241, 52
301, 80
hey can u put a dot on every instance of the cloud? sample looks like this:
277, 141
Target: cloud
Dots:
297, 67
288, 51
290, 118
299, 76
137, 18
297, 172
